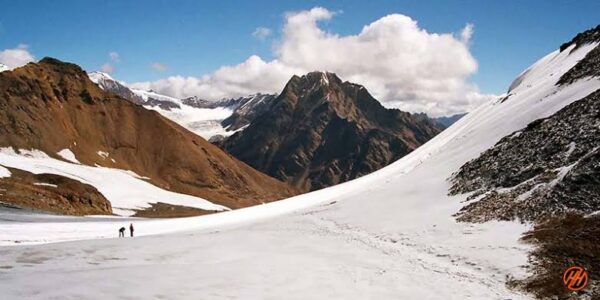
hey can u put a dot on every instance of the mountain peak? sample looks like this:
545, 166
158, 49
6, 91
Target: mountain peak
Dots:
96, 76
321, 131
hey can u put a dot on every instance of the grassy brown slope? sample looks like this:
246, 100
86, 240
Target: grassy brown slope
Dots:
52, 105
562, 242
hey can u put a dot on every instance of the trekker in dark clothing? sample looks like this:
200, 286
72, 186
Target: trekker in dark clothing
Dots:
122, 232
131, 229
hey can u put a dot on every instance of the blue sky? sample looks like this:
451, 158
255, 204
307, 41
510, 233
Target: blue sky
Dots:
196, 37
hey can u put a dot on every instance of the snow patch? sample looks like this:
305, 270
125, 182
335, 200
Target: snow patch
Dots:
68, 155
45, 184
126, 190
4, 172
103, 154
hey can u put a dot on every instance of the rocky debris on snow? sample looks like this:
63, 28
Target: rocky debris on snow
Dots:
549, 168
589, 66
589, 36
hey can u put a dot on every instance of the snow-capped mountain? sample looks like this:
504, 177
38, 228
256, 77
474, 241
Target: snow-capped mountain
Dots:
3, 67
100, 148
203, 120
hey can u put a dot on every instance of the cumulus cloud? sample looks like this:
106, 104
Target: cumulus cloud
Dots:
401, 64
159, 67
261, 33
16, 57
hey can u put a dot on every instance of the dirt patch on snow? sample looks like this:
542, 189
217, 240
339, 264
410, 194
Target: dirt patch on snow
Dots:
164, 210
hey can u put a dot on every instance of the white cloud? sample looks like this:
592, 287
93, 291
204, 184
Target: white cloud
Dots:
107, 68
261, 33
467, 33
159, 67
114, 56
401, 64
16, 57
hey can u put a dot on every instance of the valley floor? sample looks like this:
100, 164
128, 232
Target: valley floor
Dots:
311, 254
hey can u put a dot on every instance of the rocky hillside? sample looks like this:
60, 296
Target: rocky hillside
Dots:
108, 84
321, 131
53, 193
549, 168
52, 105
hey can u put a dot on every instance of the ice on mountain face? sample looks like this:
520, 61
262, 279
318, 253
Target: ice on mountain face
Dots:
99, 77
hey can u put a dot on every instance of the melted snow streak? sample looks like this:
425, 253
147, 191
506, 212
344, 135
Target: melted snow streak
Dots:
387, 235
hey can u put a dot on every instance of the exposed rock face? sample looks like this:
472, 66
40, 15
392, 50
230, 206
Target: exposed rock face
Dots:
201, 103
549, 168
321, 131
248, 110
52, 193
53, 105
108, 84
589, 36
589, 66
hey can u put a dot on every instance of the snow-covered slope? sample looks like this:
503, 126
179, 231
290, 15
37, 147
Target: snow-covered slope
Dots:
387, 235
125, 190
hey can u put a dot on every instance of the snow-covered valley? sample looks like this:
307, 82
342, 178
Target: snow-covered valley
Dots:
387, 235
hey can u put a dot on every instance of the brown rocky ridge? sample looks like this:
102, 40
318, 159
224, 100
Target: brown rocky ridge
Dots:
52, 105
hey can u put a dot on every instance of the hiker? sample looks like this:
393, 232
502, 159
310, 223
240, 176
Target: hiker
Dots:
122, 232
131, 229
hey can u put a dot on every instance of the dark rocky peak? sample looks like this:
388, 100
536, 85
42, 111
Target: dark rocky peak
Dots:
589, 36
321, 131
325, 90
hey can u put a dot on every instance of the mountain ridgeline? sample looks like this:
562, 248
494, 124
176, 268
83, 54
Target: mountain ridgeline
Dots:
321, 131
52, 105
